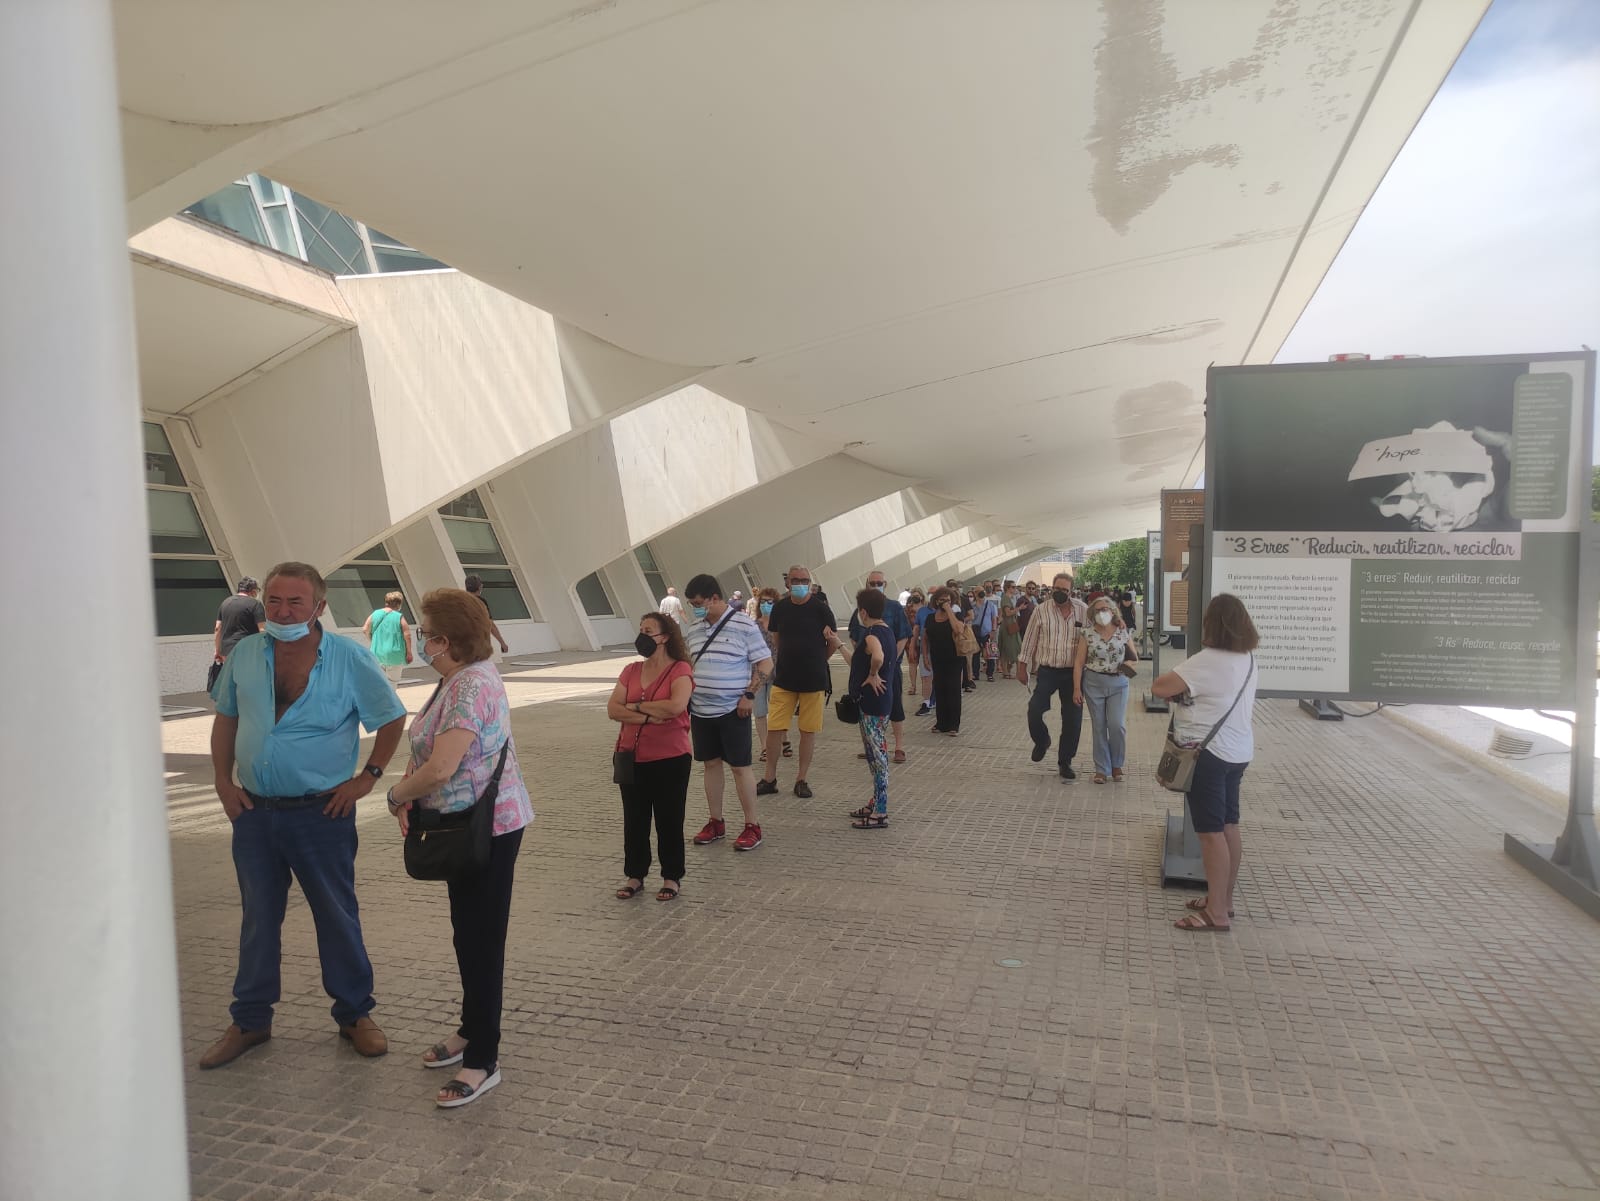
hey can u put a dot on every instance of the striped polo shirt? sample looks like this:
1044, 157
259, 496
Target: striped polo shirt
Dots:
722, 673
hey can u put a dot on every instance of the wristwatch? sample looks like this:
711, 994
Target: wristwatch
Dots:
749, 696
373, 770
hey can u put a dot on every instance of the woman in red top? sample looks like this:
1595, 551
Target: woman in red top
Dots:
651, 702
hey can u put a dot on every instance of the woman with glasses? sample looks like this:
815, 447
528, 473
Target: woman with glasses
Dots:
1099, 680
457, 740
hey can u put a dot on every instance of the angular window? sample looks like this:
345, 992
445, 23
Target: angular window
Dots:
356, 592
655, 579
595, 597
471, 533
188, 575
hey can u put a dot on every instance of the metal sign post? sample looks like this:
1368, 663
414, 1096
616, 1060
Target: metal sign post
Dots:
1180, 853
1153, 619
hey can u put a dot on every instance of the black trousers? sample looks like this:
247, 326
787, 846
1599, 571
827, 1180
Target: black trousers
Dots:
947, 694
1050, 682
480, 907
660, 789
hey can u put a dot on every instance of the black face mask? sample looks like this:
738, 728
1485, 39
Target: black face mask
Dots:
645, 645
1060, 595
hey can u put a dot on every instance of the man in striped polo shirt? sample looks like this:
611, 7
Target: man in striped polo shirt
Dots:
731, 662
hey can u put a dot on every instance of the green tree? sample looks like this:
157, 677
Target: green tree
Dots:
1119, 565
1594, 494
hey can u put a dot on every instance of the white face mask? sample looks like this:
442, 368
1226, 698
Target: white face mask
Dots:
1102, 618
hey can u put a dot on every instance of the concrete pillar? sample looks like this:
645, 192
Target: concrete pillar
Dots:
88, 996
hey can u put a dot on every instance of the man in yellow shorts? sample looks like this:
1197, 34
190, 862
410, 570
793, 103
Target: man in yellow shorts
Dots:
804, 636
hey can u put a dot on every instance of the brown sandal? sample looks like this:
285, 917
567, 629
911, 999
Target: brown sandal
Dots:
1200, 922
1199, 905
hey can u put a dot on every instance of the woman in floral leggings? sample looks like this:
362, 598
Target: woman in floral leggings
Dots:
867, 685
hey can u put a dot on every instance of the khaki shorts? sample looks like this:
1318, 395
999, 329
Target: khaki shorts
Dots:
781, 710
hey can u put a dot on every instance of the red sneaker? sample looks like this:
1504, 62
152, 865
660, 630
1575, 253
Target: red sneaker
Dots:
713, 831
749, 840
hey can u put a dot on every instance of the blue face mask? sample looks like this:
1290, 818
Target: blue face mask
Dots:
422, 653
766, 608
699, 611
879, 587
290, 633
800, 591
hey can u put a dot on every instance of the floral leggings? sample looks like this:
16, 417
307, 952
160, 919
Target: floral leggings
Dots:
875, 737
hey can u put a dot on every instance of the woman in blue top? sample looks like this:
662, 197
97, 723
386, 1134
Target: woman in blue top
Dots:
391, 639
876, 648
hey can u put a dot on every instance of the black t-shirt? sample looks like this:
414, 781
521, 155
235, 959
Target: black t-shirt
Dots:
802, 650
240, 616
941, 636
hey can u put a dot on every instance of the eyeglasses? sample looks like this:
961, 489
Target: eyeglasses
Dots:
799, 579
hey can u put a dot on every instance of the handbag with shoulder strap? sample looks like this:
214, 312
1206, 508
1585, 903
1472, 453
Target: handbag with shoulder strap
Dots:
449, 846
1175, 772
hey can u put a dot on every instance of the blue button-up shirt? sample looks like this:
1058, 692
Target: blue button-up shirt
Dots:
316, 746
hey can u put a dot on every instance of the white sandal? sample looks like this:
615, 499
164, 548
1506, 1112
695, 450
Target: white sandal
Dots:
466, 1094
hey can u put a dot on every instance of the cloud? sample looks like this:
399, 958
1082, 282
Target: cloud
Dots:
1484, 237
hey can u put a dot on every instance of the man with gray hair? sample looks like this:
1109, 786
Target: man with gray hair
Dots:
289, 704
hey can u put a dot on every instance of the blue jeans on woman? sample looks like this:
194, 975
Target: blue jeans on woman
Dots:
320, 852
1106, 699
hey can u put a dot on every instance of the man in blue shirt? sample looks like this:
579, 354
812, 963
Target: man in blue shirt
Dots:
289, 704
894, 616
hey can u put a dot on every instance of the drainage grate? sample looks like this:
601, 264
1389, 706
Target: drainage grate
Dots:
1507, 745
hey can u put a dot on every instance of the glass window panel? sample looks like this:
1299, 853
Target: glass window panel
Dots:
592, 593
320, 254
188, 592
647, 560
356, 590
270, 190
469, 505
160, 464
474, 541
175, 527
234, 207
404, 259
502, 595
279, 225
657, 583
376, 553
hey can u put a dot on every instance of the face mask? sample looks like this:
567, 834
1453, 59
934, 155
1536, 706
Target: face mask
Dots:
645, 645
879, 587
801, 591
427, 656
1102, 618
766, 608
287, 633
1060, 596
699, 611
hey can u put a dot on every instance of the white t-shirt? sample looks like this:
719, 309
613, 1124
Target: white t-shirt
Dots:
1214, 677
671, 606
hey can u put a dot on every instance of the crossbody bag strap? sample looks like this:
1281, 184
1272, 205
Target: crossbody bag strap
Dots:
1249, 671
654, 693
710, 638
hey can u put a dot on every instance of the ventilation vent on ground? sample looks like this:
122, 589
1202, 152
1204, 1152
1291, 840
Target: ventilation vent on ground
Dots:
1508, 745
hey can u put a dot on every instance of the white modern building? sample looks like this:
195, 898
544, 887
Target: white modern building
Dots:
922, 285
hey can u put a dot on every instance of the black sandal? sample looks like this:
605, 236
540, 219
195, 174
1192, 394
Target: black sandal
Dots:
457, 1093
668, 891
864, 812
875, 821
628, 891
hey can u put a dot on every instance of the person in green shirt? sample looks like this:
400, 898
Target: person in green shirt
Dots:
391, 639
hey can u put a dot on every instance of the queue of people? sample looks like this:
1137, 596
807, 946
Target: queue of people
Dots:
292, 697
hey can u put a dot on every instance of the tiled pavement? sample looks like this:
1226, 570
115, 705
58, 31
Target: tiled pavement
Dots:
1399, 1012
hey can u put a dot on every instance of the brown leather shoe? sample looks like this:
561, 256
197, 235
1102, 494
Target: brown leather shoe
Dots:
365, 1037
233, 1043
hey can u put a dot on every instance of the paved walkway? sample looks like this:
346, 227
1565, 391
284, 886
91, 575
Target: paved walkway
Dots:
1400, 1011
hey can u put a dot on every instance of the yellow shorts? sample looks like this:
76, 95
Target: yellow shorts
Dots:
781, 710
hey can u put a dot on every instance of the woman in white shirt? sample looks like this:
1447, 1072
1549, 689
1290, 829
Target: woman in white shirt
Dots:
1216, 685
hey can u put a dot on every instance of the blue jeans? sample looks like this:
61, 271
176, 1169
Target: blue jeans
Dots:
1106, 699
269, 845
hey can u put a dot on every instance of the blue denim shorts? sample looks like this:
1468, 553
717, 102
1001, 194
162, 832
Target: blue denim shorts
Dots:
1213, 794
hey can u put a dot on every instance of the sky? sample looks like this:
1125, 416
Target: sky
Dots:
1484, 237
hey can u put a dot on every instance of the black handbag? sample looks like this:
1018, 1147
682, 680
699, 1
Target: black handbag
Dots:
211, 676
447, 846
848, 710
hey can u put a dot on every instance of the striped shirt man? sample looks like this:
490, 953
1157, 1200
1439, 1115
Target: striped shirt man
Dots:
1051, 639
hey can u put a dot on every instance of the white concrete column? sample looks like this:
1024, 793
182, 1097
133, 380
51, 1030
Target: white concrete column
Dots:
93, 1105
